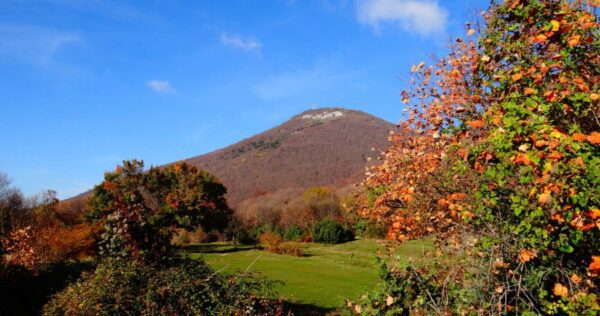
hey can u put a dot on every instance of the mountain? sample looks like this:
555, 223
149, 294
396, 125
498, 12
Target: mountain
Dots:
322, 147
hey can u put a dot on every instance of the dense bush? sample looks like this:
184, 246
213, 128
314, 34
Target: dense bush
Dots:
293, 233
330, 232
274, 243
499, 161
142, 210
370, 229
174, 287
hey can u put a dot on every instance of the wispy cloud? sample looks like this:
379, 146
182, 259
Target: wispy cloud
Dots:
318, 79
160, 86
238, 42
33, 44
422, 17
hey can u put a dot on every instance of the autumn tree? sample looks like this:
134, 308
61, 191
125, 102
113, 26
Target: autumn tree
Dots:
11, 203
499, 161
142, 209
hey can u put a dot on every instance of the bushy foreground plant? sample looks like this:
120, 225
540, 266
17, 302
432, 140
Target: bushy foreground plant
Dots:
499, 160
171, 287
330, 232
141, 211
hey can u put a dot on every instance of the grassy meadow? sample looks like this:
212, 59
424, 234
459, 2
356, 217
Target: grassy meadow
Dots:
323, 278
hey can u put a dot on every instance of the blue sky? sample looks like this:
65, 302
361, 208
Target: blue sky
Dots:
85, 84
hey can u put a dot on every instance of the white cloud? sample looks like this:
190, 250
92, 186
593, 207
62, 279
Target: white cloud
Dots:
423, 17
160, 86
33, 44
238, 42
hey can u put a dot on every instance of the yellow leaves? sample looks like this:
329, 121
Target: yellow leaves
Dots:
545, 198
485, 58
574, 40
470, 32
476, 124
556, 134
555, 25
560, 290
594, 96
525, 255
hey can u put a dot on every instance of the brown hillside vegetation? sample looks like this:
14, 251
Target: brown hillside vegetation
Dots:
321, 147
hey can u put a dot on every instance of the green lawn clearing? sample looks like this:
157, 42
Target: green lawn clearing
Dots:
323, 278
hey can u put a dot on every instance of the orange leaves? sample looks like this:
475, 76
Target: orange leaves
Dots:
526, 255
521, 159
574, 40
560, 290
594, 138
594, 266
476, 124
545, 198
578, 137
528, 91
540, 39
516, 77
594, 214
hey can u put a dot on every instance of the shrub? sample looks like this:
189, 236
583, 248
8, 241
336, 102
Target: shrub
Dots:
175, 287
142, 210
293, 233
499, 161
331, 232
243, 237
270, 241
275, 244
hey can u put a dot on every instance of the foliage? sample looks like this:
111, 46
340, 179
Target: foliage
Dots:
330, 232
11, 203
499, 161
293, 233
322, 202
274, 243
142, 210
24, 292
173, 287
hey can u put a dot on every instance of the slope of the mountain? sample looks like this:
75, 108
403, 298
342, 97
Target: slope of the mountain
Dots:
327, 146
322, 147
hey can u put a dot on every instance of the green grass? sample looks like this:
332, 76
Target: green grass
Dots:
324, 277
